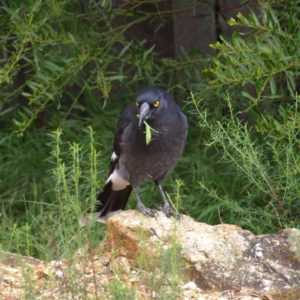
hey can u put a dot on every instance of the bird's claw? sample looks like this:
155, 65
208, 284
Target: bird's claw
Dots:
150, 212
147, 211
168, 211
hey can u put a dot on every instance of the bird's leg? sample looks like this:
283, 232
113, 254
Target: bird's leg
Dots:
169, 212
142, 208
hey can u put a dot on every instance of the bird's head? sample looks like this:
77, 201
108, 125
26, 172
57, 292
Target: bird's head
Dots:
152, 102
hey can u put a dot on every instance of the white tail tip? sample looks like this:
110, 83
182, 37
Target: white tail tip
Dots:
91, 218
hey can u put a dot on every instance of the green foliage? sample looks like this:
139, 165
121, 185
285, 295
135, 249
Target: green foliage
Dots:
148, 132
58, 54
74, 175
72, 65
164, 271
266, 56
255, 138
119, 292
269, 170
74, 181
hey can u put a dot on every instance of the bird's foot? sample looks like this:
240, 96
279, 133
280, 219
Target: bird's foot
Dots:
168, 211
147, 211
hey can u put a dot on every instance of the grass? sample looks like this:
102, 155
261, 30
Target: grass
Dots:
265, 199
229, 173
237, 168
50, 231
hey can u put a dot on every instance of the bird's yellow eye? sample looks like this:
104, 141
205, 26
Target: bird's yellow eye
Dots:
156, 104
137, 104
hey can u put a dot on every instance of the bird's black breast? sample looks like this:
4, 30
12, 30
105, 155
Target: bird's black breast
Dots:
156, 160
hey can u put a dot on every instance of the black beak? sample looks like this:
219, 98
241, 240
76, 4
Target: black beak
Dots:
144, 112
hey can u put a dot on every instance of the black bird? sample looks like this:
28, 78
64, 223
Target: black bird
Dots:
135, 159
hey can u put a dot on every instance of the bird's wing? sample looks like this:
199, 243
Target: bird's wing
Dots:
116, 191
124, 121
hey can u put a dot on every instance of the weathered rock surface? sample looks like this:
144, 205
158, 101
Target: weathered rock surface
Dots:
216, 258
220, 262
93, 274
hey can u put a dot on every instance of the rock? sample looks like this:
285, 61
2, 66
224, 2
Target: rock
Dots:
163, 259
217, 258
189, 286
120, 265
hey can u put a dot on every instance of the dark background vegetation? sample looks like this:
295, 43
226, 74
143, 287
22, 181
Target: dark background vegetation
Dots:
75, 64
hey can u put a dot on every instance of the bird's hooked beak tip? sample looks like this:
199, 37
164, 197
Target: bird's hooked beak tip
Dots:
144, 112
140, 123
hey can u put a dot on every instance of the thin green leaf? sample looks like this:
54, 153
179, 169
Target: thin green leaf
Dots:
125, 49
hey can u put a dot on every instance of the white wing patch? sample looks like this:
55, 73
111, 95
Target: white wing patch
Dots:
118, 182
114, 156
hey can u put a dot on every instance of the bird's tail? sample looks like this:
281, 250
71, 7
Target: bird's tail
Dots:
109, 202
